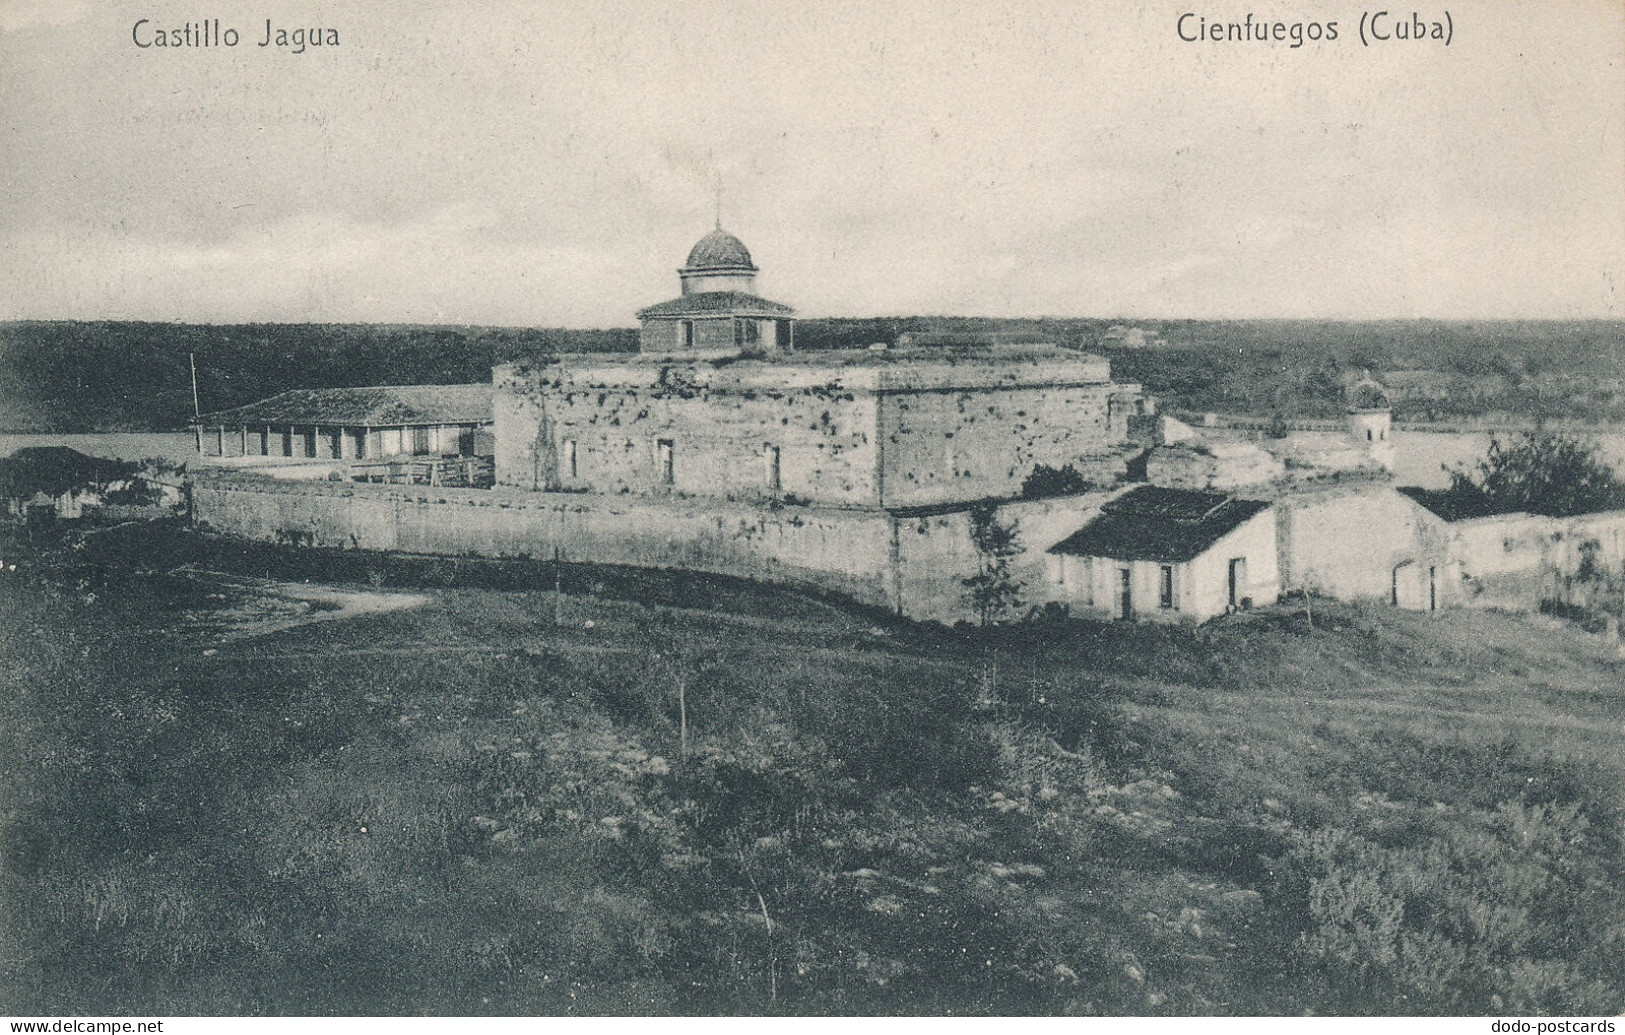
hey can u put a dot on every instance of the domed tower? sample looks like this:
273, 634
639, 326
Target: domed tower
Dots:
718, 262
718, 309
1370, 419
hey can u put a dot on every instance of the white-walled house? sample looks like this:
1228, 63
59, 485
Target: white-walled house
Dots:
1367, 542
1170, 554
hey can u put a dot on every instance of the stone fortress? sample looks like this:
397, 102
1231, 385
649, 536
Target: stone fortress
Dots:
720, 447
718, 403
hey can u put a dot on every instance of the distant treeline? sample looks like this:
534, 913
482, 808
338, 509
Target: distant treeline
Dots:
69, 376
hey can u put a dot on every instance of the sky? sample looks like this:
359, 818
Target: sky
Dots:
550, 164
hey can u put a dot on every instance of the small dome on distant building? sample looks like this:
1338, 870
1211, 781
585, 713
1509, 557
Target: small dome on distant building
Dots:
718, 308
1366, 394
719, 250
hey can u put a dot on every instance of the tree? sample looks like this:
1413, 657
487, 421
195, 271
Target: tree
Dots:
1540, 472
993, 592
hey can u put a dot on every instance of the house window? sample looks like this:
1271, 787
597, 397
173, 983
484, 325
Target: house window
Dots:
1167, 587
746, 332
570, 458
1125, 591
664, 461
771, 456
688, 334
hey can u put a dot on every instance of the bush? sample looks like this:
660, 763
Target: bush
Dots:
1047, 481
1482, 917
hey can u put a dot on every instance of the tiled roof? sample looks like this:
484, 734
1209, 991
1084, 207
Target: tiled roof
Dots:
713, 304
1367, 395
54, 470
377, 406
719, 250
1154, 523
1446, 504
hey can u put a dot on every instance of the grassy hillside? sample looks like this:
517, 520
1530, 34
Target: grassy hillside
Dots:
111, 376
215, 802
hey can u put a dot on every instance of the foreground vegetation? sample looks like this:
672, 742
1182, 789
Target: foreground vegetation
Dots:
724, 798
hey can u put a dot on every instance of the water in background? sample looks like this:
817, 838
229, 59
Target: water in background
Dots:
174, 446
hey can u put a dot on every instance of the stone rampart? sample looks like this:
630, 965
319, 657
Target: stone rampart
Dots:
845, 551
912, 564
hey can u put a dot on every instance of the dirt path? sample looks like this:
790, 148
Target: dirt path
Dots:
265, 606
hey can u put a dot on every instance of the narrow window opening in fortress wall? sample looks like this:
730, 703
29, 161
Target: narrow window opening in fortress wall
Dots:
570, 458
772, 457
664, 461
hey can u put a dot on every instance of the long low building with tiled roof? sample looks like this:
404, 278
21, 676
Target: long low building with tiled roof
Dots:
352, 423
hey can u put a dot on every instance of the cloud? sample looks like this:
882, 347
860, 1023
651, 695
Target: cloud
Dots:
514, 163
17, 15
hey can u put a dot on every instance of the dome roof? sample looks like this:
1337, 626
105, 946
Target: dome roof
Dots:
1367, 394
719, 250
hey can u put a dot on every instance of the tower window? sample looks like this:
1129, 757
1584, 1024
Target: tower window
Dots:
746, 332
688, 334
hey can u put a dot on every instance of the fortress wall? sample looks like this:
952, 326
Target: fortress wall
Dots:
936, 553
867, 555
1530, 544
951, 445
721, 436
825, 548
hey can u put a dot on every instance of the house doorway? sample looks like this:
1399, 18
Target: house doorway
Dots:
1125, 593
1237, 582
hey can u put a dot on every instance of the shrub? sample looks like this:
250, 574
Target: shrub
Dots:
1054, 481
1481, 917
